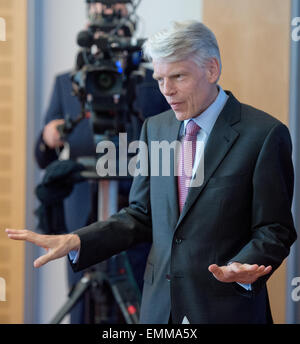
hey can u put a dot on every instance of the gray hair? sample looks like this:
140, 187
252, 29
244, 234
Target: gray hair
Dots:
182, 40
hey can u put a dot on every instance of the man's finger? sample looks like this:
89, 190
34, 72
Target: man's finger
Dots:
213, 268
266, 270
23, 234
17, 234
42, 260
240, 268
14, 231
261, 269
253, 267
218, 272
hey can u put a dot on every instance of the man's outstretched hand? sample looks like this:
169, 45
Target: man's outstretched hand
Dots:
240, 273
57, 246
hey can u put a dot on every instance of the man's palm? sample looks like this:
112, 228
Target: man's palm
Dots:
240, 273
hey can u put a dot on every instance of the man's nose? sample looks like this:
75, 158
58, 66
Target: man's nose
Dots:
168, 88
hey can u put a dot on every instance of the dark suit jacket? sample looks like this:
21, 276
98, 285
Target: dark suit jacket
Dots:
241, 213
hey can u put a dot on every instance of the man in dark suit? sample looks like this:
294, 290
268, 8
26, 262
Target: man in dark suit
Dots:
214, 244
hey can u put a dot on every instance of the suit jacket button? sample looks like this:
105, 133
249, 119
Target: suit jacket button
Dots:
178, 241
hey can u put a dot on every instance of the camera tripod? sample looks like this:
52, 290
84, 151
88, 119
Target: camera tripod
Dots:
115, 273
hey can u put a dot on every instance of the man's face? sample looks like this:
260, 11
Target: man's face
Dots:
188, 88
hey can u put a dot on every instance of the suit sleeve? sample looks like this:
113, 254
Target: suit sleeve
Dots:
130, 226
272, 231
43, 154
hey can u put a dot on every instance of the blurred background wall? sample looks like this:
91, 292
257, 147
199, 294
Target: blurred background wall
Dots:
13, 53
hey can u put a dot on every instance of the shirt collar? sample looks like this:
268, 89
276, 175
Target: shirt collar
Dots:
207, 118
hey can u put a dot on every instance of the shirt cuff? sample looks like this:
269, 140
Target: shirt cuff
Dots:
74, 256
245, 286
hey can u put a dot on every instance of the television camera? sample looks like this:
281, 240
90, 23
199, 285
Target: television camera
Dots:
108, 69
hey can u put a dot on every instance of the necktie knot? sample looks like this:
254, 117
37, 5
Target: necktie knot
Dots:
191, 128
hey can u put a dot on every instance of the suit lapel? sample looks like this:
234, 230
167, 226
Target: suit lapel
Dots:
220, 141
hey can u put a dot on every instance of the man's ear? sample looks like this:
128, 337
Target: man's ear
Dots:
213, 70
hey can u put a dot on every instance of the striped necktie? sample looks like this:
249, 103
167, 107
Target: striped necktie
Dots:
186, 161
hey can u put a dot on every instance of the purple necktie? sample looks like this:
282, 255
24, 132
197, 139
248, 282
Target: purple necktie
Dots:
186, 161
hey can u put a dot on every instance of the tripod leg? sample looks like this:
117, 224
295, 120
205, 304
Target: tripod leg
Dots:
126, 299
78, 291
124, 294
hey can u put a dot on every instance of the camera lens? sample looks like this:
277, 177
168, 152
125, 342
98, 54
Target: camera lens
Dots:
106, 80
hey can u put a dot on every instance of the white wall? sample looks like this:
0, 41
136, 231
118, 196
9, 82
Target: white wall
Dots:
61, 21
155, 14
